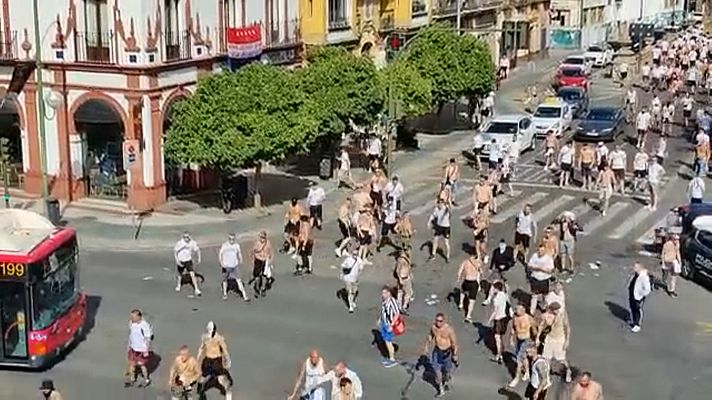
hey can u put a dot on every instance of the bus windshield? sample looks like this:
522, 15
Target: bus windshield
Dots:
54, 289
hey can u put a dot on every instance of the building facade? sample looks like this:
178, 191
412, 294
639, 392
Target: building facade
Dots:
113, 70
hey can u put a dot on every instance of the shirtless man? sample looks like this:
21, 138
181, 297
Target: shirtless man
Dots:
291, 225
551, 244
481, 225
446, 194
444, 351
377, 184
586, 159
586, 388
552, 148
556, 333
362, 200
451, 176
214, 360
404, 230
345, 226
523, 332
606, 182
671, 263
184, 375
261, 260
481, 195
365, 231
305, 247
468, 276
404, 274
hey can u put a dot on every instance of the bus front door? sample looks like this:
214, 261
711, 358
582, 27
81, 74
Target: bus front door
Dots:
13, 322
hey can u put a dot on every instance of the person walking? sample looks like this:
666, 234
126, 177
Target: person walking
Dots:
351, 269
340, 373
315, 198
187, 254
313, 368
655, 174
539, 375
468, 276
48, 391
442, 342
696, 190
638, 290
230, 258
262, 257
403, 272
586, 388
184, 375
215, 361
671, 263
498, 319
440, 224
525, 228
139, 349
390, 314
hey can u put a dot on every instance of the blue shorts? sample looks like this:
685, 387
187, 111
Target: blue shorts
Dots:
441, 360
386, 334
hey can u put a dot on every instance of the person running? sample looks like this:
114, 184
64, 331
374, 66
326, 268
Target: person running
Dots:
586, 388
440, 224
567, 243
638, 290
586, 159
539, 375
343, 176
403, 272
444, 354
184, 375
48, 391
139, 349
566, 161
606, 182
601, 156
541, 268
230, 257
552, 146
498, 318
395, 190
291, 225
468, 276
351, 269
338, 375
315, 199
619, 162
696, 190
640, 170
452, 176
480, 228
522, 336
642, 124
305, 247
365, 232
481, 195
262, 256
671, 263
556, 332
655, 174
311, 370
187, 254
346, 226
388, 224
524, 230
214, 361
390, 313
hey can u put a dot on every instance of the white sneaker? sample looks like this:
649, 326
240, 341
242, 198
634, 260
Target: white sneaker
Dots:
367, 262
337, 252
635, 329
178, 288
198, 292
486, 259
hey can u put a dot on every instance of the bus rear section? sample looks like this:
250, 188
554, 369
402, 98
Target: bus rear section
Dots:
42, 311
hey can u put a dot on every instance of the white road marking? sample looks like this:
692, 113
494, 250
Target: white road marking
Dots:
543, 212
581, 209
648, 237
429, 205
630, 224
502, 199
597, 222
513, 209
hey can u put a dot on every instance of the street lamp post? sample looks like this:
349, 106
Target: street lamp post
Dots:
41, 107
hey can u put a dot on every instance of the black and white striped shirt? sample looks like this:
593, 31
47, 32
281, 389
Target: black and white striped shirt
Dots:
389, 311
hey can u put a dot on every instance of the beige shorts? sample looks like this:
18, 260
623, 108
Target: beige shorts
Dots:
605, 193
554, 350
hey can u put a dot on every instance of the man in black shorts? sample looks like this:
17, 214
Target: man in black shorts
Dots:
185, 250
215, 361
499, 318
440, 223
525, 228
540, 270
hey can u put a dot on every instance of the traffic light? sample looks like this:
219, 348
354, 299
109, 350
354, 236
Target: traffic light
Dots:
394, 44
4, 151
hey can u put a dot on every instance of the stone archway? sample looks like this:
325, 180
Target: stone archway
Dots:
100, 123
11, 128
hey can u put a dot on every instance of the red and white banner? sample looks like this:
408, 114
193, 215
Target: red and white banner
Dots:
244, 42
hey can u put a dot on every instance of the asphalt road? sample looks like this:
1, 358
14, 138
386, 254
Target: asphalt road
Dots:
268, 338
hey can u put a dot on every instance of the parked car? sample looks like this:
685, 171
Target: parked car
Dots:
571, 76
578, 61
690, 212
575, 97
505, 129
696, 250
601, 54
552, 115
600, 124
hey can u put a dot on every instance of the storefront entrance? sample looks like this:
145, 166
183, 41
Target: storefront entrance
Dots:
10, 129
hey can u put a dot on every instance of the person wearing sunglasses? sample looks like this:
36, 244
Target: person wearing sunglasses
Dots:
586, 388
444, 353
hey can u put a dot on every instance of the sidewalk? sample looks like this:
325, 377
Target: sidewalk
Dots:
99, 231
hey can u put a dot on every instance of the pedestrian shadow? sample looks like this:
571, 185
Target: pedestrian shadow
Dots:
468, 248
343, 295
509, 394
381, 345
428, 376
485, 337
617, 310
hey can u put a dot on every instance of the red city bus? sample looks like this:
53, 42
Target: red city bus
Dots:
42, 310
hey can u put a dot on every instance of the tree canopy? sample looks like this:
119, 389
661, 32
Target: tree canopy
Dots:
412, 92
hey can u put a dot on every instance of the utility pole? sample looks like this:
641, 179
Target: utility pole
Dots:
5, 164
40, 106
459, 15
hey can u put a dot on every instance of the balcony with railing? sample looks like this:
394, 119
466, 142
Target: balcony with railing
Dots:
449, 7
281, 34
95, 47
178, 46
8, 45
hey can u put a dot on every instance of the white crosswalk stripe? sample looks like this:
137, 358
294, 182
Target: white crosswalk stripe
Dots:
512, 210
630, 223
549, 208
613, 211
428, 206
648, 237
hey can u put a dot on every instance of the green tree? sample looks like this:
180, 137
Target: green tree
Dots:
341, 86
236, 120
411, 91
477, 68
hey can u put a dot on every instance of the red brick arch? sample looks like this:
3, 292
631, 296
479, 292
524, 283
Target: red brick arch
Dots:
178, 94
18, 108
96, 95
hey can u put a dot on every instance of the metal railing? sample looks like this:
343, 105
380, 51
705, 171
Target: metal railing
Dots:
448, 7
95, 47
177, 45
281, 34
8, 49
419, 8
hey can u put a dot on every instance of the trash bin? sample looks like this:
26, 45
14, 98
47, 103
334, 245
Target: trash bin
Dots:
53, 214
325, 168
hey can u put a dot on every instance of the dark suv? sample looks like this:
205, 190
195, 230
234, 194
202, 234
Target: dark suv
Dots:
696, 255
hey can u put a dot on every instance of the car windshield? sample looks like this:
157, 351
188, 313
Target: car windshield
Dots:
548, 112
503, 128
601, 115
570, 95
572, 72
574, 61
595, 49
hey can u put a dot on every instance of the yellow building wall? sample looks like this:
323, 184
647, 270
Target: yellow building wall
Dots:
312, 21
403, 13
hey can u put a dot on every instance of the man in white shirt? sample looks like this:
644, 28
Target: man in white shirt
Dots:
541, 268
184, 252
440, 224
601, 155
477, 145
655, 174
388, 225
638, 290
618, 161
375, 149
488, 106
696, 190
395, 190
640, 169
524, 231
315, 198
494, 155
642, 124
668, 115
556, 295
566, 161
343, 176
139, 348
341, 379
230, 257
351, 269
687, 103
499, 318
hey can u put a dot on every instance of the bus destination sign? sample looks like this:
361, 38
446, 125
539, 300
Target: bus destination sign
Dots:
12, 271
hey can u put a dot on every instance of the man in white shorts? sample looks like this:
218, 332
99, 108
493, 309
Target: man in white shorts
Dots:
556, 334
